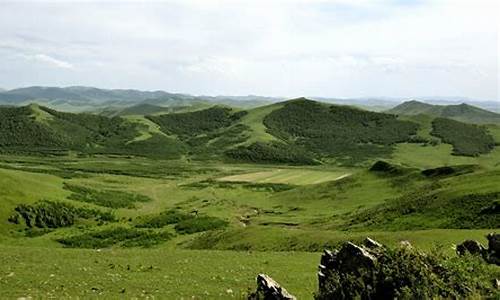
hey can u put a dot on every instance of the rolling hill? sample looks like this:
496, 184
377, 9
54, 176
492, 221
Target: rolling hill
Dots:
298, 131
462, 112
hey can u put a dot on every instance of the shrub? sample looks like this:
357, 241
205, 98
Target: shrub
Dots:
199, 224
49, 214
467, 139
405, 273
162, 219
106, 198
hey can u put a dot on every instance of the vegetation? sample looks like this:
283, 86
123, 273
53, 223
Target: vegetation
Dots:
48, 214
126, 237
106, 198
462, 112
272, 153
197, 122
467, 139
405, 273
199, 224
338, 131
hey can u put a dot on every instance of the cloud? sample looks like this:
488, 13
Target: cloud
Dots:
46, 59
338, 48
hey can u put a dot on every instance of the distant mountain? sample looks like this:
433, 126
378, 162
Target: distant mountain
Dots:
79, 98
461, 112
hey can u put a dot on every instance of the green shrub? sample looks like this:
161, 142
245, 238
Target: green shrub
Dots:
199, 224
272, 153
120, 236
49, 214
106, 198
405, 273
467, 139
162, 219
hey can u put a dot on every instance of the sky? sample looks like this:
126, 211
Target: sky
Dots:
286, 48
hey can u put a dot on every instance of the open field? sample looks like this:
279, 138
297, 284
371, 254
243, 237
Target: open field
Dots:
289, 176
276, 220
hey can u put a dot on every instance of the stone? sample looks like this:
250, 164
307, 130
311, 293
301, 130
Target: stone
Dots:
493, 242
372, 244
353, 257
405, 244
269, 289
472, 247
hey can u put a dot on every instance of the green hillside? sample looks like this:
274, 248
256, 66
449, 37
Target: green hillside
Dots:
462, 112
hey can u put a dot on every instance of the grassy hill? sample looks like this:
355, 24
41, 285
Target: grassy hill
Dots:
462, 112
297, 132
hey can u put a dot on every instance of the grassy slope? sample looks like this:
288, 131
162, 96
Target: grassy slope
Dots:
25, 187
147, 130
254, 120
290, 176
158, 273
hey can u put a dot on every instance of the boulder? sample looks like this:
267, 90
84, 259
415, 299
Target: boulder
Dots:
269, 289
372, 244
472, 247
352, 257
493, 242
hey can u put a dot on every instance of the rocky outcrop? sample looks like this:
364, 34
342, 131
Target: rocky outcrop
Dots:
269, 289
490, 254
471, 247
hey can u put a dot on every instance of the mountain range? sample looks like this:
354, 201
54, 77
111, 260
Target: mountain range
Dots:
91, 99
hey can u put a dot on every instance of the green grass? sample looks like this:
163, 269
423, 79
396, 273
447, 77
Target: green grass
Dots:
289, 176
268, 208
162, 273
254, 120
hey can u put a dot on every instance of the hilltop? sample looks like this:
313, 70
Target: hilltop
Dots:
461, 112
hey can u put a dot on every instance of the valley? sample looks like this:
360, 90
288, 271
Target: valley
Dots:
196, 203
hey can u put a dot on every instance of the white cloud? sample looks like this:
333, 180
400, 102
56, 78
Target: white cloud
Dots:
50, 61
338, 48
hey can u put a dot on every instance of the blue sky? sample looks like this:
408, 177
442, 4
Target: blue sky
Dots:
338, 48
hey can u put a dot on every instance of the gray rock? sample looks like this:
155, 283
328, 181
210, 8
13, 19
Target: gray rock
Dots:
493, 242
269, 289
372, 244
352, 258
472, 247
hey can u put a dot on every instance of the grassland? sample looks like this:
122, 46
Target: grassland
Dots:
289, 176
248, 219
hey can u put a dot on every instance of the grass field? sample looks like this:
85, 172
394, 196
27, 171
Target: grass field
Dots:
289, 176
279, 219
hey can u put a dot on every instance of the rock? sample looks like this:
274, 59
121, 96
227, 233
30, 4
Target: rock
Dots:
372, 244
269, 289
405, 244
493, 242
471, 247
352, 258
328, 263
496, 283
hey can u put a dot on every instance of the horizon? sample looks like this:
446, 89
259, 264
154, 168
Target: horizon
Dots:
329, 49
426, 99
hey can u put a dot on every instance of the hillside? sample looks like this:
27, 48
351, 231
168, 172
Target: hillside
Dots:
299, 131
462, 112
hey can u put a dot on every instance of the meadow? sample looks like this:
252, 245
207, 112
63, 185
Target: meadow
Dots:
272, 219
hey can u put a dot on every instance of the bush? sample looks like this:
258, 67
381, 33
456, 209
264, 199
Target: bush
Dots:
162, 219
199, 224
49, 214
106, 198
467, 139
272, 153
405, 273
